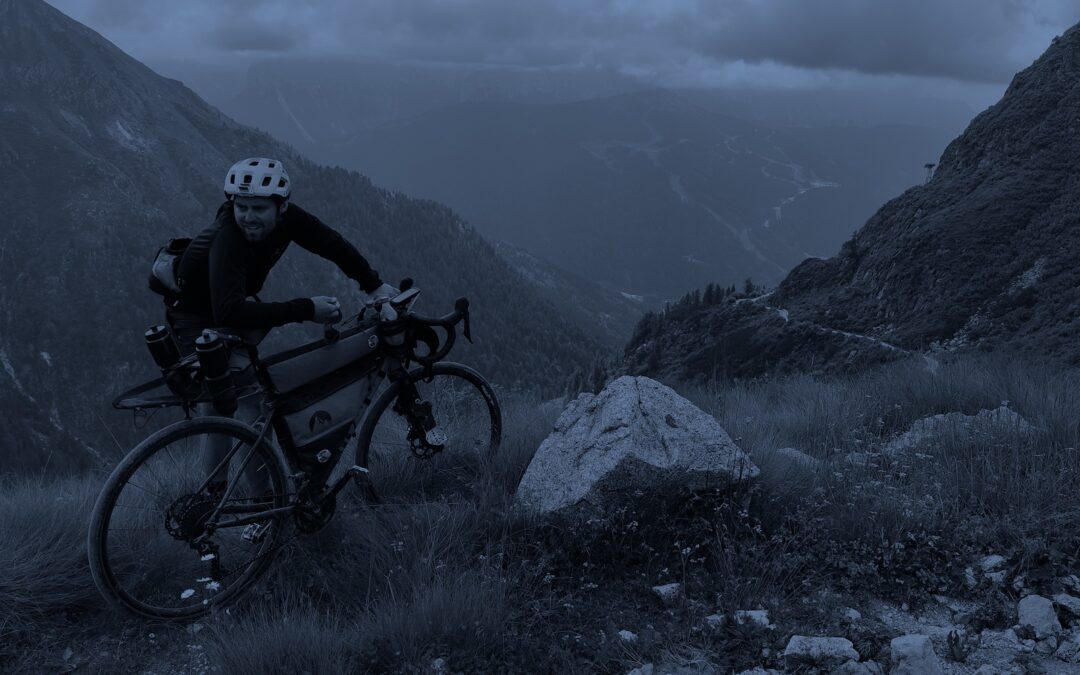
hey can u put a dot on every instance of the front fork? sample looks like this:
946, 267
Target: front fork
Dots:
425, 438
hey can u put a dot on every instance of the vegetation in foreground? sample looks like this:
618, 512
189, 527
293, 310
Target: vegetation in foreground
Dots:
487, 589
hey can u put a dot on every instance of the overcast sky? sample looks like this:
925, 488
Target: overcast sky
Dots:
780, 42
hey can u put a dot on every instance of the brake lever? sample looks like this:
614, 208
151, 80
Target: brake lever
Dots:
465, 329
330, 333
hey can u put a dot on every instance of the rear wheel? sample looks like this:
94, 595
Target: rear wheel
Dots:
149, 546
434, 446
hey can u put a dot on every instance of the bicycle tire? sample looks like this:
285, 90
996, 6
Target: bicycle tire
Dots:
102, 567
375, 488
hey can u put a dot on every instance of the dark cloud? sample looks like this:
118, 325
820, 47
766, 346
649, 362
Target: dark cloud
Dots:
974, 40
978, 40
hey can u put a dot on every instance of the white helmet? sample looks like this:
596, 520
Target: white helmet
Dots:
258, 177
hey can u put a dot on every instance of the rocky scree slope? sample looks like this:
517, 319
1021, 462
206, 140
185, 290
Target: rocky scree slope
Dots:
983, 256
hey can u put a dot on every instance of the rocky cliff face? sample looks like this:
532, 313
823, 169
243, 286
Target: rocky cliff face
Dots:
102, 160
983, 256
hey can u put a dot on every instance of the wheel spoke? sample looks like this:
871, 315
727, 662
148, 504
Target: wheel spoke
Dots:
148, 555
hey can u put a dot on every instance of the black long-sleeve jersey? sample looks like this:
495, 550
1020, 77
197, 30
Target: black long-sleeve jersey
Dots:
220, 269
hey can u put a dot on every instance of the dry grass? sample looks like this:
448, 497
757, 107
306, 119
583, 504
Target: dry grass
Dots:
391, 588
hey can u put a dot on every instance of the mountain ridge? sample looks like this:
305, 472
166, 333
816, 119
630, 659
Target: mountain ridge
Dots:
980, 257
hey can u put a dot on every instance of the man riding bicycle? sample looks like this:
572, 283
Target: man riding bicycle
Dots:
226, 265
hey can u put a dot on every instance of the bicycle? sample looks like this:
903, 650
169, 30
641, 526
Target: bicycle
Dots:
165, 542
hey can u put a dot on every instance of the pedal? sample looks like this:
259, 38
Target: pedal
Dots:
338, 486
255, 532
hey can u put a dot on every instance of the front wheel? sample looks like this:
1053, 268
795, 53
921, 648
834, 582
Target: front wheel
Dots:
161, 543
429, 439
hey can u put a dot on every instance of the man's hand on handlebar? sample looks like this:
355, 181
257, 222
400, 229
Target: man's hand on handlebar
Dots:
327, 309
383, 292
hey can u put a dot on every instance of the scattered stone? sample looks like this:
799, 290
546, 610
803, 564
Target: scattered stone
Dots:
1019, 586
850, 614
758, 670
605, 445
715, 621
991, 562
627, 636
668, 593
1070, 603
1071, 583
1047, 646
996, 578
913, 655
439, 667
1069, 649
759, 617
969, 578
856, 668
646, 669
828, 652
1037, 614
1027, 646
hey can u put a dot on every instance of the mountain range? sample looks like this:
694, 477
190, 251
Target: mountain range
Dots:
102, 160
981, 257
677, 187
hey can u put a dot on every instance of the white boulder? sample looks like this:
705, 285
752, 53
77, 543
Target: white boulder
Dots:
827, 652
1071, 603
633, 433
668, 593
1037, 614
986, 421
914, 655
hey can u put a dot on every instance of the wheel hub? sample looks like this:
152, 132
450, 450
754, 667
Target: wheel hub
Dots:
186, 518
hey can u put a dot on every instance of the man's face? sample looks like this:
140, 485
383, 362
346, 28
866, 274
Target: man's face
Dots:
256, 216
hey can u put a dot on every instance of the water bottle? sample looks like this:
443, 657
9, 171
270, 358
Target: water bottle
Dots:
162, 347
214, 364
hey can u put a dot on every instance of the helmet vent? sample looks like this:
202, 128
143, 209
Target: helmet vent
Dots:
272, 165
247, 179
281, 182
253, 162
266, 181
232, 179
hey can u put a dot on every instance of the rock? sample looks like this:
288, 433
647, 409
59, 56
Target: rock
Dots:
851, 615
1071, 583
760, 671
797, 458
668, 593
715, 621
969, 578
913, 655
646, 669
991, 562
855, 668
627, 636
754, 616
439, 667
1069, 649
1047, 646
635, 433
1070, 603
828, 652
996, 578
1037, 614
934, 426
